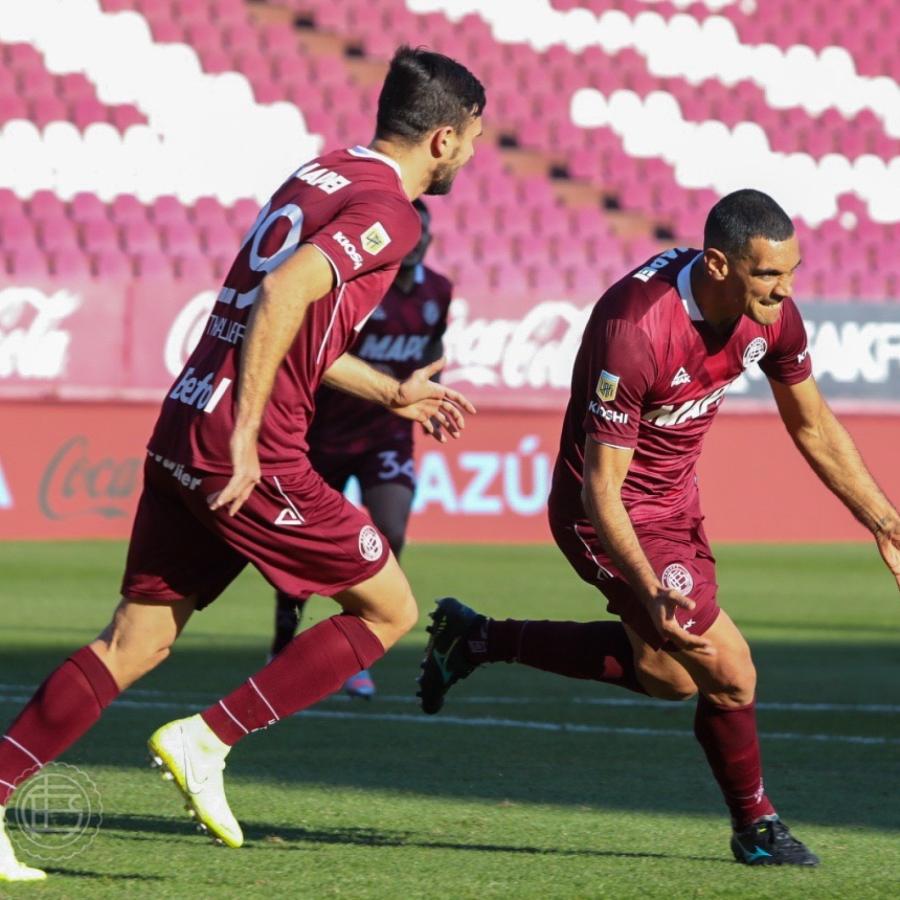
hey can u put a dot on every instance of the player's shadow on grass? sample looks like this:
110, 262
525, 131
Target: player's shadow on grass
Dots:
104, 876
492, 761
263, 836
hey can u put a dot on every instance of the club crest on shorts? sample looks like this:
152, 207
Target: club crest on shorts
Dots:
607, 386
755, 351
375, 239
370, 546
677, 577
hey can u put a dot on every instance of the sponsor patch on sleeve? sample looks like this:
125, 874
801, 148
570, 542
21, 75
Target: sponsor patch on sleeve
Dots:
607, 386
375, 238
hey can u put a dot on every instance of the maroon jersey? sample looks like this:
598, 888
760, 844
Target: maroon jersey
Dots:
398, 338
351, 206
650, 375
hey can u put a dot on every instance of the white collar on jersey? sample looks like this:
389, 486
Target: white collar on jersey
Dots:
369, 153
686, 291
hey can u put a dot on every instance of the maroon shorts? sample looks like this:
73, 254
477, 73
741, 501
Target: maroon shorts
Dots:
302, 535
680, 556
390, 461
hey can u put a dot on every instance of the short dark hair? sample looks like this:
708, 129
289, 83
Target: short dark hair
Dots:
423, 91
741, 216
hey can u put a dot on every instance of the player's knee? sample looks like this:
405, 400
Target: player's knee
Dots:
677, 693
408, 614
734, 687
666, 683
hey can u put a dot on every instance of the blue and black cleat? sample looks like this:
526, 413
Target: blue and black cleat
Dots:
446, 660
768, 842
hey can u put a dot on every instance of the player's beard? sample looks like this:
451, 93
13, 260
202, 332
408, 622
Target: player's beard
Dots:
442, 179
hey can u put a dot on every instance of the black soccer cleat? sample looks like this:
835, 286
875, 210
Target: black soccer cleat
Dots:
446, 661
770, 843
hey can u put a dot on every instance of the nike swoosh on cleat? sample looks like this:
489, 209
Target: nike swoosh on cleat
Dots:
192, 784
758, 853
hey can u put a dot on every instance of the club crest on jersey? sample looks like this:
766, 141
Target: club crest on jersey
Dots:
370, 546
755, 351
607, 386
677, 577
375, 239
431, 312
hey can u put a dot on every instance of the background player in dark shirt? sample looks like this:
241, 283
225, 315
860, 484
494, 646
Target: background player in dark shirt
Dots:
351, 438
657, 355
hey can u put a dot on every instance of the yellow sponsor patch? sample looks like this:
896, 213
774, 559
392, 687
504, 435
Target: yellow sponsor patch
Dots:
607, 386
375, 239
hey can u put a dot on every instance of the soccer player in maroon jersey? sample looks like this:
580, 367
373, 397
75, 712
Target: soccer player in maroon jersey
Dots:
228, 479
658, 353
351, 438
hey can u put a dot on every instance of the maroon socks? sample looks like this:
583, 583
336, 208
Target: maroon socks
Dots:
64, 707
315, 664
598, 651
729, 739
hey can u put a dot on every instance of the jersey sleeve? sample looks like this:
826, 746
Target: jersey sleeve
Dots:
788, 359
621, 371
373, 231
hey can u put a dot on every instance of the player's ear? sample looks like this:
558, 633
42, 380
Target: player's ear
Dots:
441, 144
716, 264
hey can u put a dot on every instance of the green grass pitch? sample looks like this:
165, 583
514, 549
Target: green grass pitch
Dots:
527, 785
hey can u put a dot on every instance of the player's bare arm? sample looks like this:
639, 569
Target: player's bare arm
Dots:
419, 398
605, 468
285, 295
832, 455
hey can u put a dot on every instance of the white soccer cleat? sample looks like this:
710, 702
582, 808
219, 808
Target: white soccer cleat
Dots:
192, 757
10, 868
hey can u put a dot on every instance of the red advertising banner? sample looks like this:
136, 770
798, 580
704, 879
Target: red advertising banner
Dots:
128, 341
73, 470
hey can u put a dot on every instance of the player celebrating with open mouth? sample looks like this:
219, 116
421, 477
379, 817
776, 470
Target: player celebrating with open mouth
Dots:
227, 477
658, 353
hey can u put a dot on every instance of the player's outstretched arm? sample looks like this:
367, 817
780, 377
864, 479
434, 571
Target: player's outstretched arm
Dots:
605, 468
832, 455
285, 295
418, 398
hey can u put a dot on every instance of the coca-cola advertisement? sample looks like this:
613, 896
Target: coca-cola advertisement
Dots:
74, 470
129, 341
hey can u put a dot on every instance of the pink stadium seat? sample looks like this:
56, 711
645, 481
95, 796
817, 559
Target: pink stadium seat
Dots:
153, 264
85, 207
243, 214
12, 107
18, 234
27, 262
85, 111
70, 263
57, 234
46, 109
180, 239
126, 115
168, 210
220, 238
111, 265
46, 204
74, 86
99, 235
126, 208
195, 268
208, 211
140, 237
